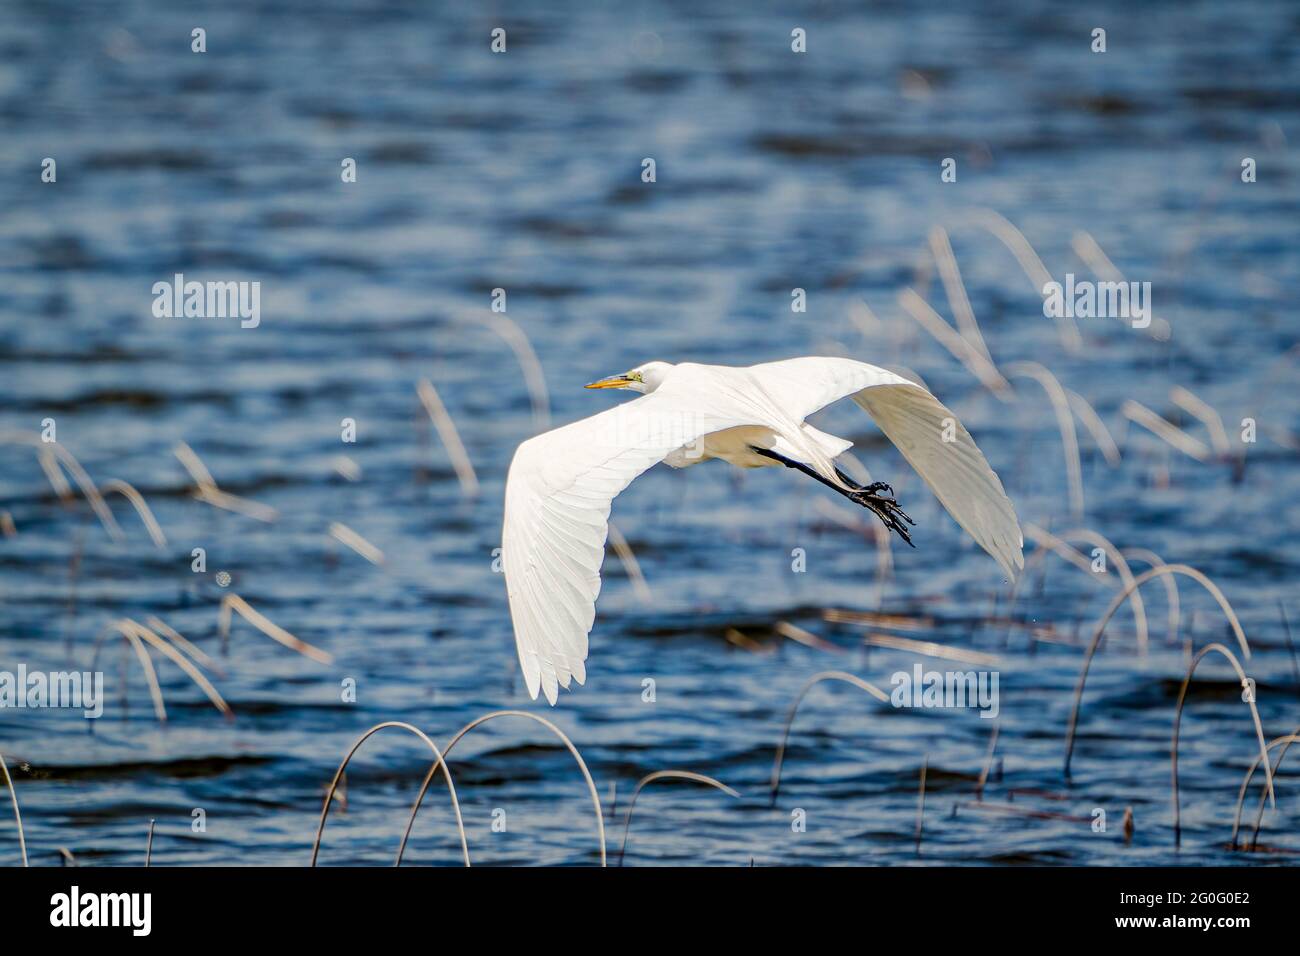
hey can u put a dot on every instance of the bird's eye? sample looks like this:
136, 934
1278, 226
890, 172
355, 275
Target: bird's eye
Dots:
635, 376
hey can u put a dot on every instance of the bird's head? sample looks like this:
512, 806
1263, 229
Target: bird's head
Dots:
644, 378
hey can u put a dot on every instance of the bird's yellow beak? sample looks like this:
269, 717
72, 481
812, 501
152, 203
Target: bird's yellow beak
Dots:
614, 381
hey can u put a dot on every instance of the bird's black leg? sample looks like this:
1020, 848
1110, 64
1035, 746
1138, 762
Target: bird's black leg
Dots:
885, 507
800, 466
871, 489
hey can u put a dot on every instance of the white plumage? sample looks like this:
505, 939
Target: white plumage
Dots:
562, 483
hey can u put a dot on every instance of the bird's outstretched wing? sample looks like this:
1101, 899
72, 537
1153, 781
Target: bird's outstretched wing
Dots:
930, 437
558, 496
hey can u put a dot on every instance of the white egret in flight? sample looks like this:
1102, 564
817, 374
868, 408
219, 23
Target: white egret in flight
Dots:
561, 483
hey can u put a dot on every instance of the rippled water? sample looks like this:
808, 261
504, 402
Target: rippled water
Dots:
522, 171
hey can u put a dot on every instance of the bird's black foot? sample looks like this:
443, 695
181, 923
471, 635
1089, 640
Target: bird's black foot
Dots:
884, 505
887, 510
869, 496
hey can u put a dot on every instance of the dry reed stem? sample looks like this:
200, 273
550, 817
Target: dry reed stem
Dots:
516, 338
1119, 599
1087, 535
739, 639
18, 817
1259, 813
1101, 435
234, 602
1285, 742
194, 465
1166, 430
142, 509
1020, 247
1033, 267
439, 761
1170, 585
92, 494
1049, 543
7, 526
1193, 405
955, 289
847, 678
988, 762
69, 461
1283, 438
180, 661
662, 775
866, 322
234, 503
206, 489
931, 649
346, 536
806, 638
564, 738
50, 465
346, 467
148, 846
961, 349
890, 622
1087, 249
160, 626
1178, 716
630, 564
920, 804
1170, 582
146, 664
447, 431
1065, 423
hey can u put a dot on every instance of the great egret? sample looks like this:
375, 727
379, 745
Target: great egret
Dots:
561, 483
